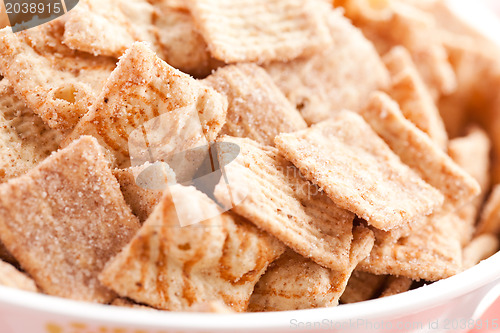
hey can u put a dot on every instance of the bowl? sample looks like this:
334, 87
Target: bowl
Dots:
455, 304
452, 305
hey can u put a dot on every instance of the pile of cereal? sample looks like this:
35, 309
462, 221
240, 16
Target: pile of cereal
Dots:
246, 155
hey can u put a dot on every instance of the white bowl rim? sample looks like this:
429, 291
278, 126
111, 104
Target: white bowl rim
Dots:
486, 272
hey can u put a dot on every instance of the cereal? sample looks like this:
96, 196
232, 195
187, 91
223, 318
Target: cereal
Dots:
5, 255
341, 76
396, 285
54, 81
489, 221
11, 277
430, 253
276, 198
257, 108
172, 267
111, 27
412, 95
70, 211
480, 248
146, 93
294, 282
362, 286
417, 151
26, 140
260, 30
141, 199
398, 23
108, 27
472, 153
359, 172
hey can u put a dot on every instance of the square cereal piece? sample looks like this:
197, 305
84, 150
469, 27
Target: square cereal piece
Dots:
180, 42
396, 285
431, 253
359, 172
142, 197
269, 191
362, 286
409, 90
172, 267
216, 307
339, 77
11, 277
472, 153
260, 30
404, 230
109, 28
257, 109
399, 23
57, 83
293, 282
480, 248
26, 139
70, 211
146, 99
416, 150
489, 222
14, 160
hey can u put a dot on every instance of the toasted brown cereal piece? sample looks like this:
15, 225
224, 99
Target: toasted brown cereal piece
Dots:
294, 282
261, 30
270, 192
340, 77
123, 302
172, 267
394, 23
211, 307
57, 83
489, 222
480, 248
415, 149
14, 160
396, 285
141, 199
26, 139
472, 153
6, 256
181, 44
359, 172
408, 89
109, 28
4, 18
162, 105
430, 253
11, 277
70, 211
257, 109
404, 230
477, 69
362, 286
